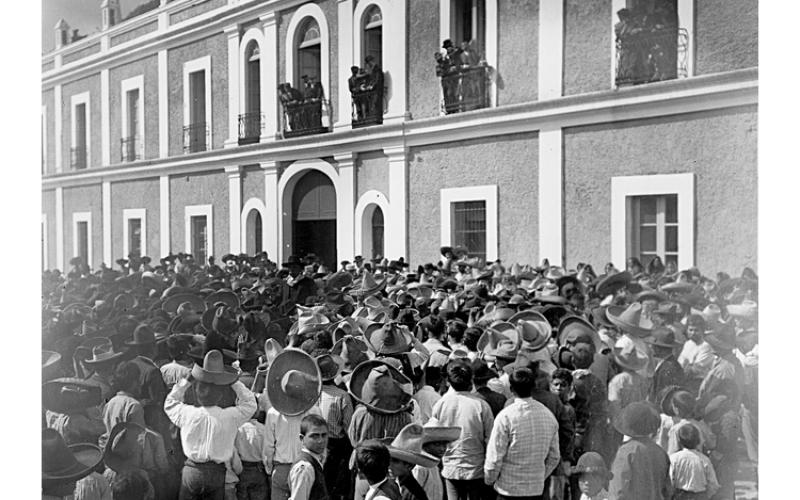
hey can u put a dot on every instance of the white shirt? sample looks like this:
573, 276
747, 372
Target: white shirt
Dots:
374, 493
690, 470
696, 357
282, 443
208, 432
302, 476
426, 397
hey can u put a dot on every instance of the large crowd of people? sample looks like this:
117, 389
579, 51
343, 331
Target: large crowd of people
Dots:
457, 380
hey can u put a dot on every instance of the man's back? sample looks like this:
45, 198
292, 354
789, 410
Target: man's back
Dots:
523, 449
464, 456
641, 472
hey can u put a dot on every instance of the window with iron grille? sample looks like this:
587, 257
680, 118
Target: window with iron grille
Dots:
653, 228
469, 226
199, 225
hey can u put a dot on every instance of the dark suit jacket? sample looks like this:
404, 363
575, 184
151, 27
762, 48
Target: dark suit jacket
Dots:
669, 372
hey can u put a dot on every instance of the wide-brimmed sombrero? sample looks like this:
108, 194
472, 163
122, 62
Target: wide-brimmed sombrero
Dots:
630, 319
379, 386
65, 464
214, 370
407, 446
294, 382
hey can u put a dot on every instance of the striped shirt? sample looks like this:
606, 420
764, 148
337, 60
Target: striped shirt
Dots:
523, 449
371, 425
337, 410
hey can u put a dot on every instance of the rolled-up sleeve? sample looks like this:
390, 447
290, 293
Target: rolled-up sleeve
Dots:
174, 406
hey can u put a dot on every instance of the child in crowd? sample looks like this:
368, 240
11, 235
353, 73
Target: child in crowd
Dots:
372, 465
691, 472
253, 480
593, 476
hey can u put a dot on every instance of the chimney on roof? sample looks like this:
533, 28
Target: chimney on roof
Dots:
111, 13
62, 33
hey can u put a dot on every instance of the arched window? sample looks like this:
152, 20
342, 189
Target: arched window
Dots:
373, 34
377, 232
309, 53
253, 78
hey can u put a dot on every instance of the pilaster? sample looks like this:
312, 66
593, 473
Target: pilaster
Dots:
397, 223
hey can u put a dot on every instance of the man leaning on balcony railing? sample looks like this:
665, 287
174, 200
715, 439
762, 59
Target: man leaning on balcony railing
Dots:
647, 45
463, 83
366, 89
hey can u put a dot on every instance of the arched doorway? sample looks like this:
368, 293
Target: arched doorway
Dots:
255, 231
314, 218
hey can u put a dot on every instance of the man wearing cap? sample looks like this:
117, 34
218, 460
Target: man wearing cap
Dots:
463, 462
293, 387
208, 431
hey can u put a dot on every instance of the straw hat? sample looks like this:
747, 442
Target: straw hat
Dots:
64, 464
102, 354
609, 284
389, 338
294, 382
534, 334
378, 386
124, 447
69, 394
368, 285
352, 350
630, 320
171, 303
495, 335
592, 462
407, 446
329, 366
214, 370
630, 358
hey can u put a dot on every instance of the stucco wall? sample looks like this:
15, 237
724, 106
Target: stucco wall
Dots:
510, 162
518, 42
147, 98
587, 46
217, 47
84, 199
145, 194
252, 183
330, 10
49, 210
92, 85
134, 33
80, 53
48, 100
718, 147
199, 189
372, 172
424, 89
726, 35
196, 10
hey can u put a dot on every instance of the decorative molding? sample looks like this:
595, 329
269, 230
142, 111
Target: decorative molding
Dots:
675, 97
75, 101
127, 85
472, 193
164, 230
644, 185
189, 67
309, 10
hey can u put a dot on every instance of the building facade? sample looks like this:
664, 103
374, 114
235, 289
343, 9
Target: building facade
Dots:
566, 132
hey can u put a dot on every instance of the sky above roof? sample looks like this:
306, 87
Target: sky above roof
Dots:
79, 14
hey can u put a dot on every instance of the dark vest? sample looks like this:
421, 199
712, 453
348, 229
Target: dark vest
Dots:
319, 491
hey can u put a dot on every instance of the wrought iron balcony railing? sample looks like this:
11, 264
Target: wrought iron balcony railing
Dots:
130, 148
305, 118
367, 107
78, 157
195, 138
465, 89
652, 56
250, 127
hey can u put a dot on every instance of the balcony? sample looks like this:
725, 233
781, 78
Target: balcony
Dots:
130, 149
250, 126
465, 89
305, 117
652, 56
367, 107
195, 138
78, 157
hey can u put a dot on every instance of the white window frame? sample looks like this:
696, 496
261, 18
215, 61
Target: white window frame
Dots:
685, 21
487, 194
87, 218
45, 245
193, 66
623, 187
251, 35
74, 101
196, 211
127, 215
44, 139
127, 85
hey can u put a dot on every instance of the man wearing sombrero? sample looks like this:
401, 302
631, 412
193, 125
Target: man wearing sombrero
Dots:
208, 431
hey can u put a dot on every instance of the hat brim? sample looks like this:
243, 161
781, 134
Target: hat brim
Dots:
359, 377
422, 459
87, 456
624, 363
226, 377
96, 362
440, 434
292, 359
635, 330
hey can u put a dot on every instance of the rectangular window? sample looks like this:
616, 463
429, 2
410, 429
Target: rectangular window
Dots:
653, 228
131, 143
79, 148
469, 24
469, 227
135, 237
82, 240
199, 228
197, 112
